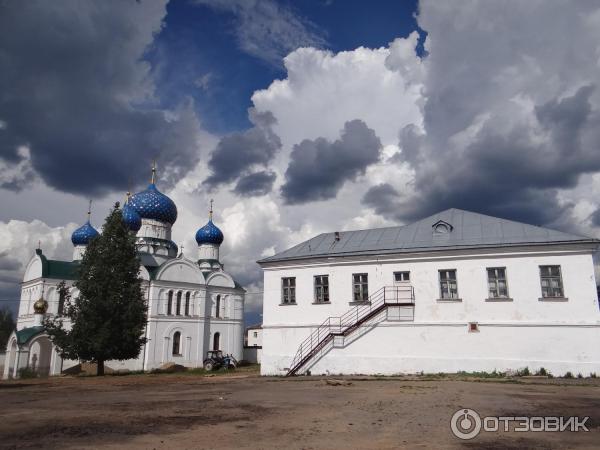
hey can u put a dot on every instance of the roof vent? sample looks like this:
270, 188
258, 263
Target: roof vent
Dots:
336, 235
441, 227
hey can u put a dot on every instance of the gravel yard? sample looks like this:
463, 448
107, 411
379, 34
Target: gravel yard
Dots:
243, 410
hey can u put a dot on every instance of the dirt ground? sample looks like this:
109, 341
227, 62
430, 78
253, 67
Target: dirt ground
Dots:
247, 411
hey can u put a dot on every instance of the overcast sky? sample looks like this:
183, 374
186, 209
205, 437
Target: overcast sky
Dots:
296, 117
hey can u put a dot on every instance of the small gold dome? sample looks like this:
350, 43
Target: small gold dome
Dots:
41, 306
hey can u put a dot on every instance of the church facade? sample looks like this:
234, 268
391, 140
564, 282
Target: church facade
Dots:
194, 305
457, 291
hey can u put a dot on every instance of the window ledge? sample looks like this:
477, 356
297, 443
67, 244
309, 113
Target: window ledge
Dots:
553, 299
449, 300
288, 304
498, 299
364, 302
321, 303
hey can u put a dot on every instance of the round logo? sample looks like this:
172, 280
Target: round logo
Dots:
465, 424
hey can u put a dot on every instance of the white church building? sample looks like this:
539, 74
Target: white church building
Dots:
194, 305
457, 291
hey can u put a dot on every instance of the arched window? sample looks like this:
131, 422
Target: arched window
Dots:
170, 303
187, 304
61, 303
216, 343
218, 307
178, 310
177, 344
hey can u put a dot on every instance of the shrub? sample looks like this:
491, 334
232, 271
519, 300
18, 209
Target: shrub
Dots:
579, 375
542, 372
593, 375
27, 372
569, 374
523, 372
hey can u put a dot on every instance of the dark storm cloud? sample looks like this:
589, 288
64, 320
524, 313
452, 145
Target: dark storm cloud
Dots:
319, 168
596, 218
75, 90
510, 115
511, 175
8, 263
237, 155
255, 184
383, 198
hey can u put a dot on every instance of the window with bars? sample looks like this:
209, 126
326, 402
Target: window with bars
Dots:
448, 285
497, 285
551, 279
288, 290
360, 283
321, 289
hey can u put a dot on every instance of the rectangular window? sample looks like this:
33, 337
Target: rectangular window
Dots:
399, 277
551, 281
288, 290
360, 283
448, 286
256, 334
322, 289
497, 287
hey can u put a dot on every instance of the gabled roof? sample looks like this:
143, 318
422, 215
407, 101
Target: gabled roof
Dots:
54, 269
467, 230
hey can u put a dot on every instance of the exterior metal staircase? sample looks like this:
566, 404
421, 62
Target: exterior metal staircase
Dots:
344, 325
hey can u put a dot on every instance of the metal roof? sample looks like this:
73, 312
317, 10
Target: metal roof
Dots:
465, 229
26, 334
62, 270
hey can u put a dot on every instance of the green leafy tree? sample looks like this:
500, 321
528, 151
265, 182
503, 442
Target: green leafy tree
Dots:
108, 317
7, 326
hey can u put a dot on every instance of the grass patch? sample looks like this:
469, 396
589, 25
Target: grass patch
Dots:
492, 374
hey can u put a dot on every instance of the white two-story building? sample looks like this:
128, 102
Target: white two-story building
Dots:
455, 291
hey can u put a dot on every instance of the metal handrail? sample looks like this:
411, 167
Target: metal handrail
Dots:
387, 295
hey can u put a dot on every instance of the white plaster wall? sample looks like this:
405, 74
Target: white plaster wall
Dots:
255, 341
392, 348
159, 347
78, 252
154, 229
232, 336
208, 251
253, 354
515, 323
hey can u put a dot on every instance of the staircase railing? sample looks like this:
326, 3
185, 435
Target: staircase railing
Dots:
347, 322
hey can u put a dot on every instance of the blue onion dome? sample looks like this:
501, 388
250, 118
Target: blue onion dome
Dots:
84, 234
209, 234
152, 204
131, 218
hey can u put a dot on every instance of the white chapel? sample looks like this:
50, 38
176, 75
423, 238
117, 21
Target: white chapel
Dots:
194, 305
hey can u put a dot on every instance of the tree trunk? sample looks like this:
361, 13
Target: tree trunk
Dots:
100, 371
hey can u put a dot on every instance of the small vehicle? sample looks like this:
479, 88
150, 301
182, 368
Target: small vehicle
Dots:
215, 360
